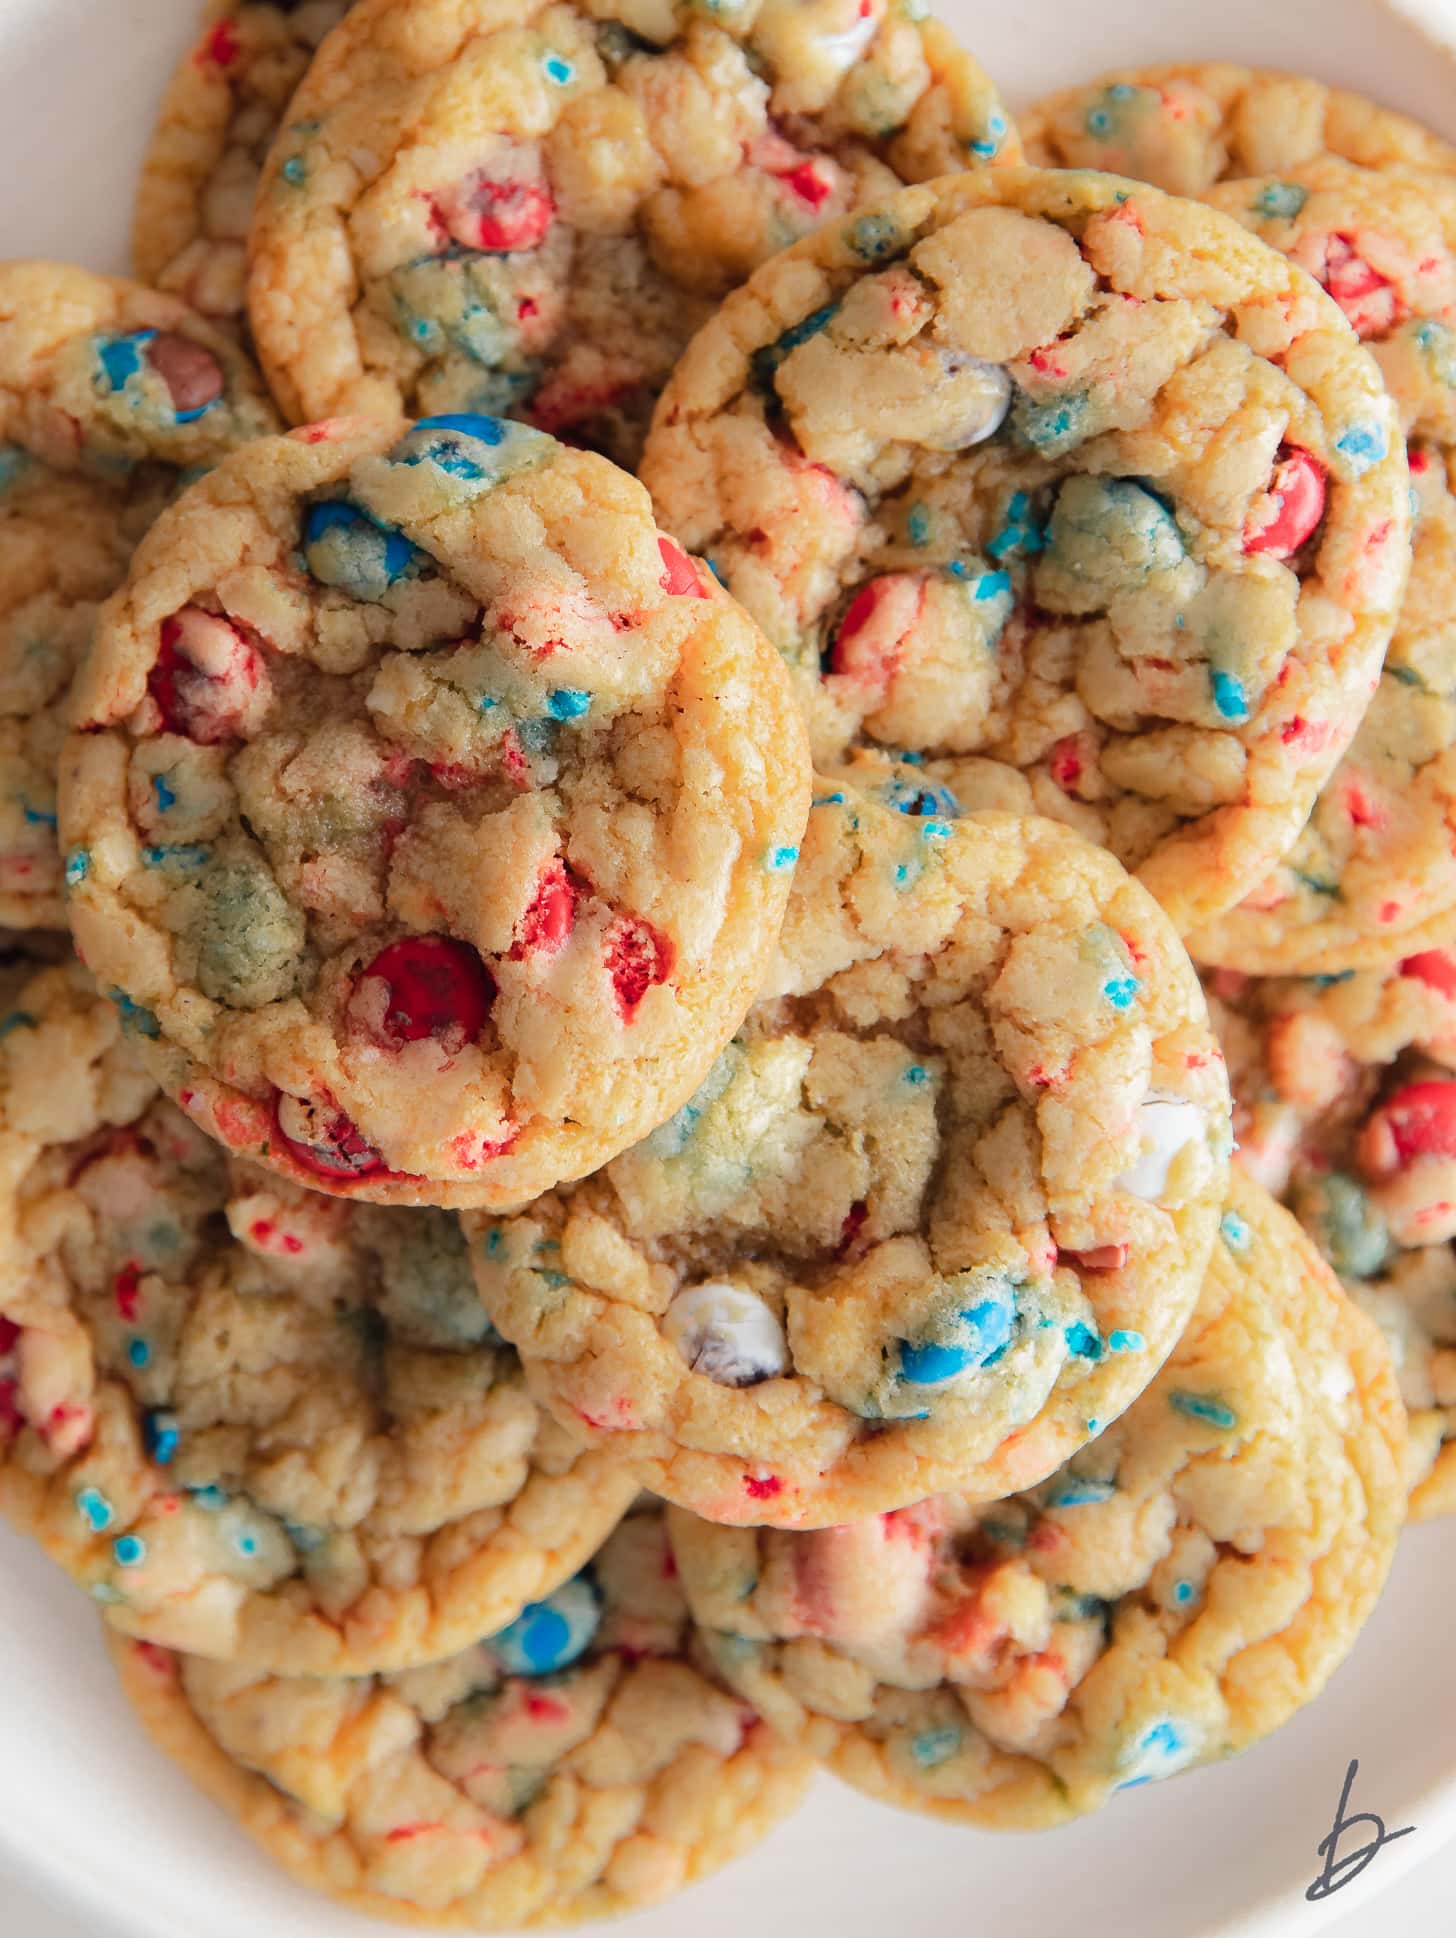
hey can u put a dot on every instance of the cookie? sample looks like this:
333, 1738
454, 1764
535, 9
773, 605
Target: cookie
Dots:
253, 1421
437, 809
1185, 127
1170, 1597
578, 1765
937, 1216
528, 209
218, 117
1345, 1105
1371, 876
1056, 470
107, 393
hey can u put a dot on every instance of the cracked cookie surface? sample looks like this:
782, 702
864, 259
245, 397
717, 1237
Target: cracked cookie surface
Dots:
1345, 1107
1185, 127
938, 1213
1174, 1594
1371, 877
109, 394
577, 1766
1053, 469
223, 105
528, 209
438, 810
253, 1421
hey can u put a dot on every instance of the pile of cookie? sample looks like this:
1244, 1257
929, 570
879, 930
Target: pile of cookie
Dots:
616, 1173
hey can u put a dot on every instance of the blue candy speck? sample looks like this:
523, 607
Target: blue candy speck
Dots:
14, 463
1363, 445
489, 430
394, 552
1283, 200
165, 793
138, 1351
130, 1550
933, 1362
875, 237
1228, 696
550, 1635
557, 69
1121, 991
1082, 1341
134, 1018
933, 1746
78, 866
1081, 1493
778, 859
568, 703
1235, 1232
1197, 1406
179, 854
160, 1435
1125, 1340
120, 357
94, 1508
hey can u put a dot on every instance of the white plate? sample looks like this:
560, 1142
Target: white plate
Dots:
88, 1810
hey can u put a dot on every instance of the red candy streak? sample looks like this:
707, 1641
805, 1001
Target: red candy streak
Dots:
1434, 967
1298, 486
870, 640
1101, 1258
206, 678
808, 184
221, 46
1368, 298
328, 1144
126, 1289
502, 216
637, 959
1418, 1120
434, 987
679, 574
547, 1709
548, 918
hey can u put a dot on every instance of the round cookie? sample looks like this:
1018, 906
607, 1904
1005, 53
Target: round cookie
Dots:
253, 1421
936, 1217
580, 1765
1345, 1105
1170, 1597
1185, 127
108, 392
437, 809
528, 209
1054, 469
1371, 876
218, 117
